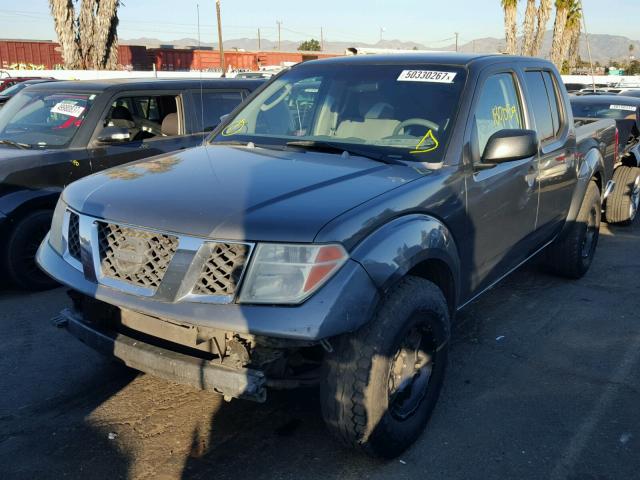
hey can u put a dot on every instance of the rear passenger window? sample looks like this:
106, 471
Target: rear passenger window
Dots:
544, 103
498, 109
215, 105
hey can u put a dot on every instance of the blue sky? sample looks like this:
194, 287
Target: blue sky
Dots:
426, 21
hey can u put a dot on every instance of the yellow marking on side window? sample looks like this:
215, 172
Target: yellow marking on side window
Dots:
428, 136
234, 128
505, 114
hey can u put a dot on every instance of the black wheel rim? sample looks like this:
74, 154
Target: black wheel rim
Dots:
591, 235
411, 371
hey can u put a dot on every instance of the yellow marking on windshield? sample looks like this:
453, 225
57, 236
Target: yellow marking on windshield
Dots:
428, 136
234, 128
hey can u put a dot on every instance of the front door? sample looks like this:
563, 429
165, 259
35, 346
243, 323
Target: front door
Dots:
502, 201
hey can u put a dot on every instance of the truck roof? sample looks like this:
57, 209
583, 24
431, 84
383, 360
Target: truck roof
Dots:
121, 84
444, 58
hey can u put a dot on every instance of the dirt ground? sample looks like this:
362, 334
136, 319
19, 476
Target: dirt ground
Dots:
544, 382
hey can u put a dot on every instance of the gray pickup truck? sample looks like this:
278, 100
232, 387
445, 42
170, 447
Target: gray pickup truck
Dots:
329, 231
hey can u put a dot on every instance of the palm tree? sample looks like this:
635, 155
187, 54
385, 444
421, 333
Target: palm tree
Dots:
91, 39
571, 37
557, 46
542, 18
64, 19
528, 32
510, 13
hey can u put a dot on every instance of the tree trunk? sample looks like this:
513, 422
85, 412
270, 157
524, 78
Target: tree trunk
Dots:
106, 34
64, 19
544, 13
86, 28
510, 28
557, 46
529, 23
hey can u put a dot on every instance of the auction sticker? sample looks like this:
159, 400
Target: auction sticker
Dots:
69, 108
430, 76
629, 108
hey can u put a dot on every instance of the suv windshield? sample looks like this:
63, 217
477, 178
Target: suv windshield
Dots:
44, 119
399, 111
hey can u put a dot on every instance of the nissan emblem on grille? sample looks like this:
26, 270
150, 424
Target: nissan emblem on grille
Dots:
135, 256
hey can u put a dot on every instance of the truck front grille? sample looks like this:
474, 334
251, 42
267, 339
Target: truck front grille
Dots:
73, 236
135, 256
222, 271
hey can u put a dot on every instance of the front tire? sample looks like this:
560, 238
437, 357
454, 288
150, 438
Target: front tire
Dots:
20, 251
381, 383
571, 255
622, 205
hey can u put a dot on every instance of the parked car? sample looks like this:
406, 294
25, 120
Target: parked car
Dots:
263, 75
8, 82
52, 134
11, 91
631, 92
623, 199
334, 243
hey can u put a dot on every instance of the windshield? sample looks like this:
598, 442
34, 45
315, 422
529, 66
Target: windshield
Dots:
43, 119
614, 111
399, 111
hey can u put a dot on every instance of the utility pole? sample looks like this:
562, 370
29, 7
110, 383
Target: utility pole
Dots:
220, 45
279, 22
259, 44
321, 40
457, 35
381, 32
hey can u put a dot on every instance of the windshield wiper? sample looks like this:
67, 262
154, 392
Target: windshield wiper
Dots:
331, 147
15, 144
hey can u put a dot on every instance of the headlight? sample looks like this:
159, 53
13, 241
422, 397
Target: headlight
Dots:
289, 273
55, 234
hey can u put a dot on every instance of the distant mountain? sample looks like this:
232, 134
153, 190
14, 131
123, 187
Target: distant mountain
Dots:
603, 47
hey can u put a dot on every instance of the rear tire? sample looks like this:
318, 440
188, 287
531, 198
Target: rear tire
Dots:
571, 255
622, 204
381, 383
20, 251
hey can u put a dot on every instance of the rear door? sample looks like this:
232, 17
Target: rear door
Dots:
502, 201
155, 121
557, 174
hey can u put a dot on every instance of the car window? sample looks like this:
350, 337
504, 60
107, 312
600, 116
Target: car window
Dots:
396, 111
215, 104
43, 119
542, 111
498, 108
554, 101
144, 115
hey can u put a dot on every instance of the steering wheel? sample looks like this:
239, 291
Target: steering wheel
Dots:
415, 121
286, 90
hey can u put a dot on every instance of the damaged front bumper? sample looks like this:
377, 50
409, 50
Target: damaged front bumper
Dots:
245, 383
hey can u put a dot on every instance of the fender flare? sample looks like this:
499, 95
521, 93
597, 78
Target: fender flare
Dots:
15, 203
392, 250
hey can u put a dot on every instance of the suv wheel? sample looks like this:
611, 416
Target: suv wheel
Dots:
381, 383
622, 205
571, 255
20, 251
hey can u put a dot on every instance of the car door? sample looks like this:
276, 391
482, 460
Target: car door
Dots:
502, 200
155, 122
557, 172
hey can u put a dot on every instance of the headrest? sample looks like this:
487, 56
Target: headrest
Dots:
380, 110
121, 113
170, 125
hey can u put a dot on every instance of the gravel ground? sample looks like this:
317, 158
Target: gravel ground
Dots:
543, 383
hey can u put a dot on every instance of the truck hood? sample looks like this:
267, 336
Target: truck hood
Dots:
236, 193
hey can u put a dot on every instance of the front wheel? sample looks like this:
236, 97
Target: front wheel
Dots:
20, 252
571, 255
381, 383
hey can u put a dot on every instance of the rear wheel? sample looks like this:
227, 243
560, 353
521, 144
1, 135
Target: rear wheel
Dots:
20, 251
622, 204
571, 255
381, 383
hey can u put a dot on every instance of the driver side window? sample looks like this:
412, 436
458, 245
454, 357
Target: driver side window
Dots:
498, 108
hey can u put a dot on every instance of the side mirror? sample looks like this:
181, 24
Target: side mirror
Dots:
510, 145
114, 135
